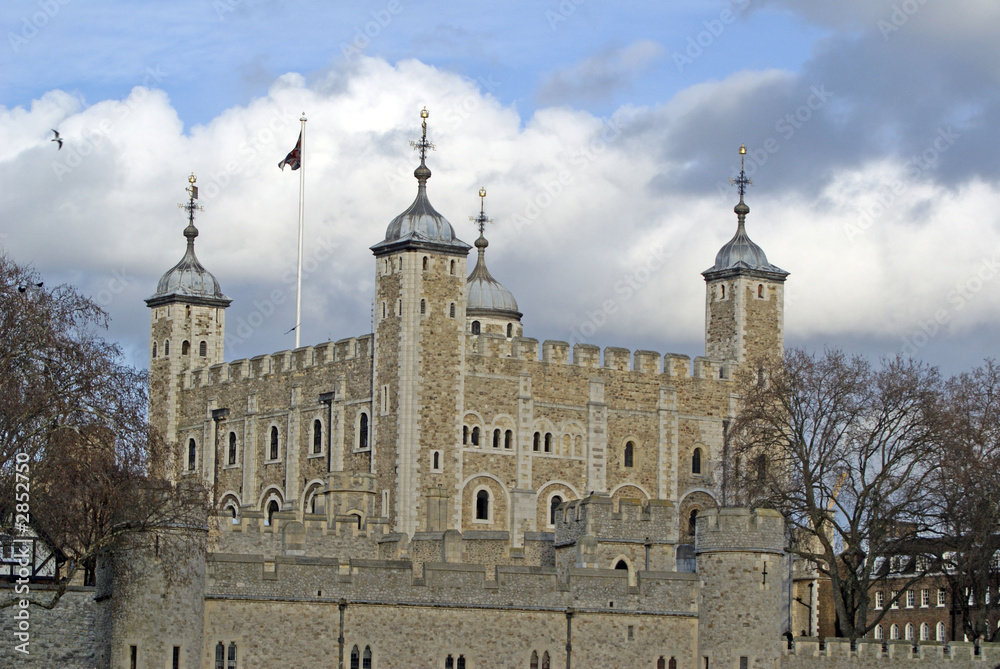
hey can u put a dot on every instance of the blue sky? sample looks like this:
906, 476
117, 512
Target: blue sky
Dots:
870, 126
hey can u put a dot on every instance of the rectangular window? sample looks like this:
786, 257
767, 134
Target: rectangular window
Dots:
911, 599
385, 400
631, 632
744, 662
177, 657
942, 596
895, 600
925, 598
879, 599
133, 657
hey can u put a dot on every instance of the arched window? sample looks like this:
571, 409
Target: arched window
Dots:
723, 292
355, 658
696, 461
436, 460
220, 655
879, 633
273, 453
317, 436
760, 290
425, 263
449, 662
166, 347
461, 662
452, 269
203, 348
233, 513
548, 442
451, 309
366, 658
496, 438
553, 506
363, 432
475, 327
185, 347
621, 564
908, 631
384, 311
154, 349
232, 656
508, 438
661, 663
537, 440
692, 521
894, 632
925, 632
940, 632
510, 330
672, 664
465, 434
545, 661
232, 448
399, 307
482, 505
761, 466
534, 660
629, 454
423, 307
475, 436
192, 453
272, 508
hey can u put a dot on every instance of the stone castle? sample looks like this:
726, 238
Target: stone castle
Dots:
444, 492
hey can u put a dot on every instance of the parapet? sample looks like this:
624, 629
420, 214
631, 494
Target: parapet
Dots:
594, 515
835, 653
740, 530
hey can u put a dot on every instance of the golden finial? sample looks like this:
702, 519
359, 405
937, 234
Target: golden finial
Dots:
743, 149
741, 182
424, 113
481, 220
192, 178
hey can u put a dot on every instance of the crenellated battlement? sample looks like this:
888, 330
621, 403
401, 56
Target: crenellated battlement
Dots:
280, 362
806, 652
595, 516
555, 352
728, 529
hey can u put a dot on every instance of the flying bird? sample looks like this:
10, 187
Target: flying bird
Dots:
56, 139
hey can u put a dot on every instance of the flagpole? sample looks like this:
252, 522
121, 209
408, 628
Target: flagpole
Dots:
302, 197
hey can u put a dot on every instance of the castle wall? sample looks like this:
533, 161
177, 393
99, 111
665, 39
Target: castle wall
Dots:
836, 654
65, 636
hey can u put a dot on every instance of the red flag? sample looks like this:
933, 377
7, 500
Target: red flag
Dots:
294, 157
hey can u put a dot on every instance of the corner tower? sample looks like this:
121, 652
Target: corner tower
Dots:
417, 373
490, 307
187, 325
744, 295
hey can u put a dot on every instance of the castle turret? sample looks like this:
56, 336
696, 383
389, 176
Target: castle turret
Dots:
420, 270
739, 560
490, 308
187, 331
744, 295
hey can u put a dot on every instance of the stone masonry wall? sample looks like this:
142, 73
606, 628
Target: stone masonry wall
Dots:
61, 637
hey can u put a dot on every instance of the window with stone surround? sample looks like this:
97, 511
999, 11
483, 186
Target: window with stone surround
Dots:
879, 633
760, 290
475, 436
629, 455
154, 349
435, 461
940, 632
451, 309
232, 449
508, 440
911, 599
192, 454
553, 507
166, 347
366, 658
483, 505
220, 655
941, 597
925, 632
185, 347
908, 632
696, 461
895, 600
272, 508
272, 453
879, 599
475, 327
231, 663
355, 658
423, 307
361, 431
203, 348
548, 442
317, 436
496, 438
925, 598
894, 632
510, 330
426, 263
535, 444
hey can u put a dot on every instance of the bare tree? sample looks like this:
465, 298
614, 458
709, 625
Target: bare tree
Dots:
844, 452
76, 450
968, 500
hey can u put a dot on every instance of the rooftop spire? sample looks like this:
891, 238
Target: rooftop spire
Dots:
741, 182
422, 173
190, 207
481, 221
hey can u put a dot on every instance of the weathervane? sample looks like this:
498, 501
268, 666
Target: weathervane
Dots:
481, 220
422, 144
742, 181
190, 207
